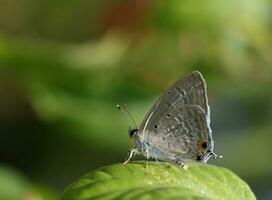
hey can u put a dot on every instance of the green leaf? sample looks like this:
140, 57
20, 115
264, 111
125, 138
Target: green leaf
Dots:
150, 180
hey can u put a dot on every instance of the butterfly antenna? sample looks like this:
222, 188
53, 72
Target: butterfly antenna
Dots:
124, 110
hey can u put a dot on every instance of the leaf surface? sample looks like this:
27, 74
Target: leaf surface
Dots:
150, 180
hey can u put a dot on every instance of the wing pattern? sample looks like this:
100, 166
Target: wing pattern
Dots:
179, 120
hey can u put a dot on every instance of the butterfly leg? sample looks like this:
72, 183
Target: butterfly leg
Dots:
131, 154
147, 153
180, 163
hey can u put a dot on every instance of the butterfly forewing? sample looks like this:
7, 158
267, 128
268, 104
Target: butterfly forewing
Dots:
190, 90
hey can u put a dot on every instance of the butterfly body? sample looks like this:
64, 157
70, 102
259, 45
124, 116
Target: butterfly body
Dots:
177, 128
150, 151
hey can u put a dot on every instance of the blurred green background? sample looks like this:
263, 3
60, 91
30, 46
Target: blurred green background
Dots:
64, 65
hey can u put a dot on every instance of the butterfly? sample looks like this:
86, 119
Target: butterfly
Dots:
177, 127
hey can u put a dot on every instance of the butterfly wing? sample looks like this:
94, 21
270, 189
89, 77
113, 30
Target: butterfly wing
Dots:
178, 123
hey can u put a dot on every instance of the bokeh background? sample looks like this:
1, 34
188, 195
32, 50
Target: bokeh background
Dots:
64, 65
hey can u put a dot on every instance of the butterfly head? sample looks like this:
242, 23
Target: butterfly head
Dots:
134, 135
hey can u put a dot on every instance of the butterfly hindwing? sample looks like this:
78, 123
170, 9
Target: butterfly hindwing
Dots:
179, 131
179, 121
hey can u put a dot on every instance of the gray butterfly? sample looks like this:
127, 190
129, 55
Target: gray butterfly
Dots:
177, 128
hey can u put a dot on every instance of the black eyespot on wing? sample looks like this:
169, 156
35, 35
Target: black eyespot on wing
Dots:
167, 115
132, 131
155, 126
204, 145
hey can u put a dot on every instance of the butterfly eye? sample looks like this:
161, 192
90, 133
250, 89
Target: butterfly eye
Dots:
132, 131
